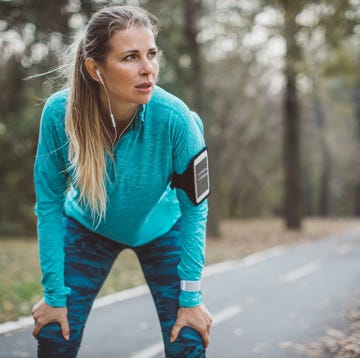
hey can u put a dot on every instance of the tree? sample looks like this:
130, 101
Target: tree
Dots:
336, 19
192, 12
291, 113
24, 51
219, 56
291, 117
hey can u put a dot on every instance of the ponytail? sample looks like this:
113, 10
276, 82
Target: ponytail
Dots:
90, 137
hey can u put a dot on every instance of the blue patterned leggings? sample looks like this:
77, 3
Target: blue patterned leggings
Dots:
88, 260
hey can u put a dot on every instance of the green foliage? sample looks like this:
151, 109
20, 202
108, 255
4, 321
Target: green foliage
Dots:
174, 65
242, 83
21, 282
20, 278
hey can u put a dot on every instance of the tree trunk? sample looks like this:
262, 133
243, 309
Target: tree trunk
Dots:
192, 14
291, 121
324, 180
192, 9
308, 193
357, 118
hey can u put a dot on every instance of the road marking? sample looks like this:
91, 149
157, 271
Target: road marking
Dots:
344, 249
151, 351
249, 260
157, 348
220, 268
300, 273
14, 325
261, 256
121, 296
226, 314
142, 290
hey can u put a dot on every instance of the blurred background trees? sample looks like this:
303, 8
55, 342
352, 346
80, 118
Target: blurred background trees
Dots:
276, 82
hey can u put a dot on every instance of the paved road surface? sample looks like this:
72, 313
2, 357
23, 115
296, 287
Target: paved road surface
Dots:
260, 304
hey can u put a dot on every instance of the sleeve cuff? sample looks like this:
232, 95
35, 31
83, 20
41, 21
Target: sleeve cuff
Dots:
190, 299
57, 300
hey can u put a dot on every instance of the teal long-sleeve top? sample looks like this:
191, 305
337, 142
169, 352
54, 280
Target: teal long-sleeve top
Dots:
141, 206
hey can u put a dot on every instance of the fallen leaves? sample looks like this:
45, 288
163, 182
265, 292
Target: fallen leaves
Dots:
337, 343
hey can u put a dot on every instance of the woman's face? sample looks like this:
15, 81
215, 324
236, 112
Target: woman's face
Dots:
131, 67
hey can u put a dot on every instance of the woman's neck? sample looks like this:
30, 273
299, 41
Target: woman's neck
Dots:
123, 113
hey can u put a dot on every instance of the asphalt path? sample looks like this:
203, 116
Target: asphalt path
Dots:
262, 305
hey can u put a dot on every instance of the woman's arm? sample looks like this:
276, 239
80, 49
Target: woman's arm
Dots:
189, 141
51, 182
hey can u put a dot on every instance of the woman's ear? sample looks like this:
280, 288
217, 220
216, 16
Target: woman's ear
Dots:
92, 69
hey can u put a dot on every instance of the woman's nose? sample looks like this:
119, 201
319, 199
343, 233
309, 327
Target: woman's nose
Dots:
146, 67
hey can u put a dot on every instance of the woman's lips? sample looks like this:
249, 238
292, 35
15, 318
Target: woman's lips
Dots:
146, 84
144, 87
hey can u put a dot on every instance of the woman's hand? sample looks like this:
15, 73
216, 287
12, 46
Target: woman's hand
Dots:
198, 318
44, 314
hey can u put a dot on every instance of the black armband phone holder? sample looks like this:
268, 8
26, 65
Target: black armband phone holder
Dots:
195, 180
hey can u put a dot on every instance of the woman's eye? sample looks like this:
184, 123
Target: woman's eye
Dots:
152, 54
130, 57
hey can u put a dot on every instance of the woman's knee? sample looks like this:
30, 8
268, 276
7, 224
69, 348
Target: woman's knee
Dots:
51, 342
188, 344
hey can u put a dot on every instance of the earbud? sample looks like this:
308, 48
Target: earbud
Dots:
99, 76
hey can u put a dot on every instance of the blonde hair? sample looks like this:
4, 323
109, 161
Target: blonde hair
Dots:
90, 136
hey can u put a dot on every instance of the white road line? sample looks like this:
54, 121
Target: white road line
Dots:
121, 296
142, 290
150, 352
157, 348
226, 314
13, 325
300, 272
221, 267
249, 260
261, 256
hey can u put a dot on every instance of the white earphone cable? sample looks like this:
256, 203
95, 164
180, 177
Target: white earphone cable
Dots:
111, 113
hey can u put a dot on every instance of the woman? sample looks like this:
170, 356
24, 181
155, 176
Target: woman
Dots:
108, 149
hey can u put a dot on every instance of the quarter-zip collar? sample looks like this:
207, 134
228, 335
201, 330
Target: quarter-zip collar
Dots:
140, 117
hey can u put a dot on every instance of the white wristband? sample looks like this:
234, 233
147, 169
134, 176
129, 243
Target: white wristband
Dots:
190, 286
